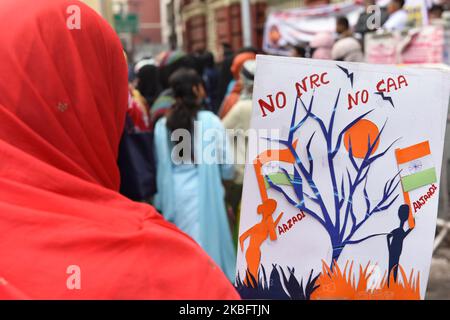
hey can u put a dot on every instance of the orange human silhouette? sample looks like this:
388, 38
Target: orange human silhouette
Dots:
258, 234
267, 227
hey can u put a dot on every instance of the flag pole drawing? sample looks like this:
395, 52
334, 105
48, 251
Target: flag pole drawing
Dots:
416, 170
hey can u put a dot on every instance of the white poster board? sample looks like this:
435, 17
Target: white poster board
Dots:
336, 151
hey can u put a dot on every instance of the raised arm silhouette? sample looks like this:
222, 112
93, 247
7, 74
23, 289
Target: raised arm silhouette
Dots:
258, 234
395, 242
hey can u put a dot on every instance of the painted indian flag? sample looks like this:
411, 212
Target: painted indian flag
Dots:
416, 165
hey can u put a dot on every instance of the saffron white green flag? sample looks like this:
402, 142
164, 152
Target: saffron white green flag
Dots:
416, 165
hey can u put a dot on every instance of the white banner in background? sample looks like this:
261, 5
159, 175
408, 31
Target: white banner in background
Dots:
290, 27
294, 26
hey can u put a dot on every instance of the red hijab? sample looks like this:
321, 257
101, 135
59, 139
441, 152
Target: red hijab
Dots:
63, 98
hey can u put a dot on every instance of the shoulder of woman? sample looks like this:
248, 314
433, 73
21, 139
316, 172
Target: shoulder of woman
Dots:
242, 104
198, 270
160, 124
209, 116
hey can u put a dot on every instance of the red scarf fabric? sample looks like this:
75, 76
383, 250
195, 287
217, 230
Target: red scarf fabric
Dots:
65, 232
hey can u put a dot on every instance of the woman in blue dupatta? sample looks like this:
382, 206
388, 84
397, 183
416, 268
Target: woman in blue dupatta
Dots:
192, 157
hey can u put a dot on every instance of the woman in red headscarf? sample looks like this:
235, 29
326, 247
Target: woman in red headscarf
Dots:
65, 232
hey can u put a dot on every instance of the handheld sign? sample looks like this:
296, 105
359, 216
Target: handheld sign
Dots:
342, 180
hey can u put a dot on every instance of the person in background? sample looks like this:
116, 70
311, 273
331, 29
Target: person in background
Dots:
445, 4
321, 45
238, 119
298, 51
435, 12
197, 58
190, 192
343, 28
138, 111
170, 62
147, 81
131, 74
60, 210
211, 80
365, 23
135, 157
398, 17
225, 76
143, 93
237, 63
347, 49
235, 86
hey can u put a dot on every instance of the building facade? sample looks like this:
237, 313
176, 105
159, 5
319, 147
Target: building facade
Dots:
291, 4
103, 7
149, 16
141, 32
209, 23
171, 23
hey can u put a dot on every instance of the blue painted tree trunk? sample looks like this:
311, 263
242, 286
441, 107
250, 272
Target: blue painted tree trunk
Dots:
337, 250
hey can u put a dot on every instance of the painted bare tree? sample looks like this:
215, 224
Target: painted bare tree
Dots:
345, 224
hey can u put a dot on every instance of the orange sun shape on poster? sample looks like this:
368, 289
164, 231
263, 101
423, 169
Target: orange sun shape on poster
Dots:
358, 135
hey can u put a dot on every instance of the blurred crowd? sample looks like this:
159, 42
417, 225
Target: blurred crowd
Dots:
347, 44
170, 92
174, 89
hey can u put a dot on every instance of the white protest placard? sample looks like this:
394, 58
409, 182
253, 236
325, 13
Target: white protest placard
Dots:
342, 180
